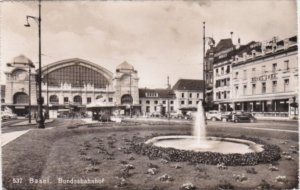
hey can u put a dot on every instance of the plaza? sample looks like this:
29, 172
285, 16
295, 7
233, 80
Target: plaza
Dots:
84, 158
116, 95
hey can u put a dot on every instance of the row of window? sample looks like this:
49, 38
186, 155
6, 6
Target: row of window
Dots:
263, 70
155, 108
223, 70
172, 102
189, 102
151, 94
222, 82
222, 95
190, 95
156, 102
226, 94
77, 99
264, 87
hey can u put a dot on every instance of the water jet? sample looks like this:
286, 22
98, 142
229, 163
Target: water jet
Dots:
200, 143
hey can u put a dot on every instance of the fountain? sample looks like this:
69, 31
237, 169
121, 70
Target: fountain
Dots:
199, 148
200, 143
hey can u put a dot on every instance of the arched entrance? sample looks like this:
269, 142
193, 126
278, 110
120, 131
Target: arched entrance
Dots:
21, 98
21, 101
126, 99
77, 100
53, 99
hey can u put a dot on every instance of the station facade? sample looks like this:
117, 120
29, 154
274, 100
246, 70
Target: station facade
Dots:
68, 86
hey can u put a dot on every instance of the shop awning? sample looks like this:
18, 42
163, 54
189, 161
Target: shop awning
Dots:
191, 108
264, 98
62, 110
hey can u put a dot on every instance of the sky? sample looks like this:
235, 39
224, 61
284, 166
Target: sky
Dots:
159, 38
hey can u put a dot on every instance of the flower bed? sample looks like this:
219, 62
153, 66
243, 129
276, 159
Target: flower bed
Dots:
269, 154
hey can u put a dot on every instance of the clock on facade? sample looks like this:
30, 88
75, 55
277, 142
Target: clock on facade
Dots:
21, 75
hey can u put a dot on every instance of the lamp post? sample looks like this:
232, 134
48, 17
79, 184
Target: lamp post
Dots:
40, 120
29, 92
47, 111
204, 68
131, 101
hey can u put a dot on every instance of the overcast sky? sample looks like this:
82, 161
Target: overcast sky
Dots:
159, 38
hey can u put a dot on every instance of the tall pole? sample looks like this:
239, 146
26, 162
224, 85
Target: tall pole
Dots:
47, 95
168, 99
204, 68
29, 92
41, 123
130, 96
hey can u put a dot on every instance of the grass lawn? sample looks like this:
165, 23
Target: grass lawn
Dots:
102, 153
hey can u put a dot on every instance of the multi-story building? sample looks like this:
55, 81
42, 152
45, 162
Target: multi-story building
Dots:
157, 101
183, 97
265, 78
188, 92
257, 77
223, 53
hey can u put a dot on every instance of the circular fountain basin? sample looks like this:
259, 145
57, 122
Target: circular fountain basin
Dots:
209, 144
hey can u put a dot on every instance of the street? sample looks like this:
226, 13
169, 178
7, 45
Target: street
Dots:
11, 131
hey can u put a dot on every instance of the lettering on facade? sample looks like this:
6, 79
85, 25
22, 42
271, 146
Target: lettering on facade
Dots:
265, 77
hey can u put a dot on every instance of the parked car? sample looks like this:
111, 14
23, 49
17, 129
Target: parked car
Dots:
6, 115
105, 117
176, 115
239, 117
252, 118
226, 116
213, 115
155, 114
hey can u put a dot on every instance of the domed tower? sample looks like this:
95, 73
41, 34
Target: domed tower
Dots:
125, 84
20, 85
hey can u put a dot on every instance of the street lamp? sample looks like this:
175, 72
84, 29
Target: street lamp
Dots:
131, 101
40, 120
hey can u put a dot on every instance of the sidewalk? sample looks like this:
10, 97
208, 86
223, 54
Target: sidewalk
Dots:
8, 137
33, 122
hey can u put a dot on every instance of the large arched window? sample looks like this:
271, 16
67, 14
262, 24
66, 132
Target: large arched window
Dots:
126, 99
77, 99
21, 98
77, 76
53, 99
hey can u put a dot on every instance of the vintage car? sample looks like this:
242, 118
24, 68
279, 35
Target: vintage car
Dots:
213, 115
239, 117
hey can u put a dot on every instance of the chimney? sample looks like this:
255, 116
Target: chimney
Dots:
238, 44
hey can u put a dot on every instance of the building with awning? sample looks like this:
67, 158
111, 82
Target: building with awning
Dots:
262, 78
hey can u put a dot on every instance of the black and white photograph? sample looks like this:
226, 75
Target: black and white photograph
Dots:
149, 95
